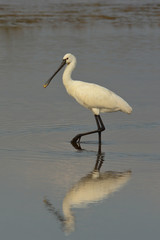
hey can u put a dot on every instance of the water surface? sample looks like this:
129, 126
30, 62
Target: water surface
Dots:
117, 46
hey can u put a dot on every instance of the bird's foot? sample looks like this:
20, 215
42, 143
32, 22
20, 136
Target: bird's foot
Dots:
76, 142
77, 138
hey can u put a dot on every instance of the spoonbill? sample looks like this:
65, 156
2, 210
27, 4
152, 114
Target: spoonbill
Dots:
92, 96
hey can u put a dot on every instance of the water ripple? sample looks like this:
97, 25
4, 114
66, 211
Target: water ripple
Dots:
80, 14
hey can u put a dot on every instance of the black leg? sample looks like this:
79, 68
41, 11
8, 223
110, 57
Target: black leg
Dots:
100, 126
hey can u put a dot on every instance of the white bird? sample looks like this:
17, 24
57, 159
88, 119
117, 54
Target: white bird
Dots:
92, 96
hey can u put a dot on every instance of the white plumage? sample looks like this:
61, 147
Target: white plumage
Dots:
92, 96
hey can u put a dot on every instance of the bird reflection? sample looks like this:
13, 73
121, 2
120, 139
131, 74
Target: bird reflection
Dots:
94, 187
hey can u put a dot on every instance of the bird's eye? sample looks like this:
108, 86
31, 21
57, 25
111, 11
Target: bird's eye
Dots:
67, 58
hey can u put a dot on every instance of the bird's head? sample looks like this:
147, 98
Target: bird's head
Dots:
67, 59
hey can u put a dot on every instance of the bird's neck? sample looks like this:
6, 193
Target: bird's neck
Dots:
67, 73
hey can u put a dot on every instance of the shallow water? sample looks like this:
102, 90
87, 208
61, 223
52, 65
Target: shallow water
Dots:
117, 46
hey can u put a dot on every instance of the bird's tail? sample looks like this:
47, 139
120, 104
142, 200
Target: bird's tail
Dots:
124, 106
127, 108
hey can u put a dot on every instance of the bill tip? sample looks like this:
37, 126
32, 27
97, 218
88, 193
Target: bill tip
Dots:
45, 85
